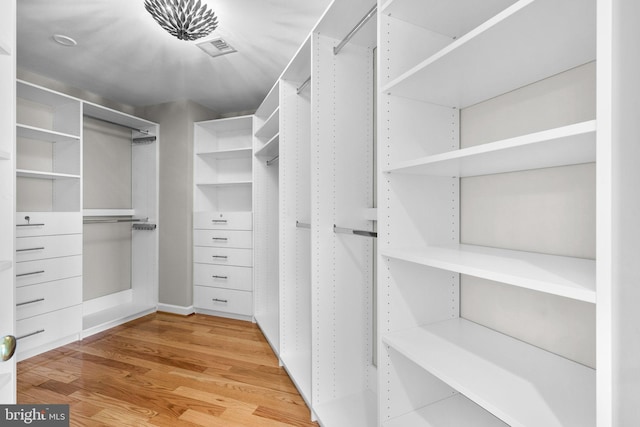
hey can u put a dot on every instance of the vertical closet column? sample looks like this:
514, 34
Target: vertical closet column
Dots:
266, 195
295, 220
48, 219
7, 192
223, 224
344, 377
443, 356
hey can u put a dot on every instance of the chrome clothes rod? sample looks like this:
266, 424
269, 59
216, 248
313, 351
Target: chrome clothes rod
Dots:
303, 86
364, 233
355, 29
302, 225
272, 161
143, 131
111, 220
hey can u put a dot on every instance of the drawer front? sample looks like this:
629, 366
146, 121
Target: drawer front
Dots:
223, 238
223, 220
223, 276
48, 223
46, 328
223, 256
43, 298
47, 270
226, 300
42, 247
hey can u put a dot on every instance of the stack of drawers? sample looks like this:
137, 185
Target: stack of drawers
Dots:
223, 261
48, 280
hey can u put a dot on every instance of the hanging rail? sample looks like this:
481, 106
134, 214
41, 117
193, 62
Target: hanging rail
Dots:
364, 233
355, 29
272, 161
303, 85
142, 131
111, 220
302, 225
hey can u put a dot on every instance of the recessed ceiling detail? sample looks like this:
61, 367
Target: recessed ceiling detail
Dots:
216, 47
184, 19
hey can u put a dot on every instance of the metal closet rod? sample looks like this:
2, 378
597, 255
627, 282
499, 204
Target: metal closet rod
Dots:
142, 131
303, 85
302, 225
355, 29
364, 233
272, 161
111, 220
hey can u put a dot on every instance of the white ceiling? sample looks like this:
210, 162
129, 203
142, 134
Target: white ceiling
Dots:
125, 56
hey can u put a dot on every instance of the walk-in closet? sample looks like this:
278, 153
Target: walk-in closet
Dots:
342, 213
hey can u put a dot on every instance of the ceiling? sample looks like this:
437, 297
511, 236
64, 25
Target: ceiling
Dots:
125, 56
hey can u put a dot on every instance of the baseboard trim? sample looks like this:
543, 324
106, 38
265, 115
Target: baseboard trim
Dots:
176, 309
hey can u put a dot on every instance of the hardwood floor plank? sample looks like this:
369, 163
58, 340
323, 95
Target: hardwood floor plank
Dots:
166, 370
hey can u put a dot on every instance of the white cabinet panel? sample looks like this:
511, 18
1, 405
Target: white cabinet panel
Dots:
223, 238
223, 220
46, 270
40, 330
223, 256
43, 247
43, 298
48, 223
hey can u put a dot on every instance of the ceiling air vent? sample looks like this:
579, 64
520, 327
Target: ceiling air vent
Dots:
216, 47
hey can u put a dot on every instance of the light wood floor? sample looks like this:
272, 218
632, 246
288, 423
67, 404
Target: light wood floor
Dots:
166, 370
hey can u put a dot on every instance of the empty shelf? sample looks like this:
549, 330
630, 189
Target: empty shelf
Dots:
227, 154
453, 411
30, 132
567, 145
497, 56
223, 184
271, 148
270, 127
558, 275
517, 382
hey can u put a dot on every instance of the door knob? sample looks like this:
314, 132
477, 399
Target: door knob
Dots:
7, 347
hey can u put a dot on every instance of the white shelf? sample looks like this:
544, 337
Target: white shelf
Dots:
5, 155
519, 383
270, 102
358, 410
5, 265
453, 411
557, 275
236, 153
270, 127
568, 145
23, 173
223, 184
271, 148
498, 56
449, 18
30, 132
108, 212
41, 95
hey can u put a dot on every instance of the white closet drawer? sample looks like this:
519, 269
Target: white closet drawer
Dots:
46, 328
43, 298
223, 238
223, 276
223, 220
47, 270
48, 223
223, 256
227, 300
42, 247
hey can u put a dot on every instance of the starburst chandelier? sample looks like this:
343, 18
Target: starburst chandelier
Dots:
184, 19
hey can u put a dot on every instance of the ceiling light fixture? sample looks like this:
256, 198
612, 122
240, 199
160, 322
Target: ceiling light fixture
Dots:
184, 19
64, 40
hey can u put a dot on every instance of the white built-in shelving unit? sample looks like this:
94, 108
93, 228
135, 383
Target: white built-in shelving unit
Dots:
436, 366
266, 167
141, 298
223, 217
7, 192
